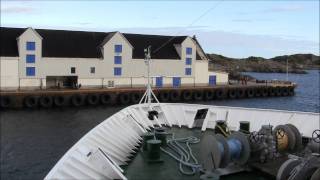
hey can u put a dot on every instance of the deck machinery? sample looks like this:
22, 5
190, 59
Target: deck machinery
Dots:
281, 152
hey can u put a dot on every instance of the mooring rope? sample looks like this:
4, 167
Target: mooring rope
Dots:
183, 155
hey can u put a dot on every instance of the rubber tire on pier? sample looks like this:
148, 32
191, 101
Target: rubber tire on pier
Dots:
232, 93
197, 95
264, 92
241, 93
107, 99
124, 98
291, 91
30, 101
93, 99
278, 91
164, 96
250, 93
135, 97
220, 94
59, 101
186, 95
285, 91
272, 91
257, 92
174, 96
45, 101
77, 100
208, 94
5, 101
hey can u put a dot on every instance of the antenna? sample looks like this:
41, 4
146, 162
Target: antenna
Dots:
148, 95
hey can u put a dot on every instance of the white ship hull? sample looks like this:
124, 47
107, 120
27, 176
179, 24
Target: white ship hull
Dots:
101, 152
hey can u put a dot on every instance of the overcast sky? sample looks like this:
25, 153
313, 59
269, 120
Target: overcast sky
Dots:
230, 28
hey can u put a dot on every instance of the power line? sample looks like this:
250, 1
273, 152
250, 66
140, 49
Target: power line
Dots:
191, 24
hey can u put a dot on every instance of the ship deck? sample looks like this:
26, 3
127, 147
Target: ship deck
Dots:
140, 169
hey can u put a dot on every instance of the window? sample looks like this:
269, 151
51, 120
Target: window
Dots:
188, 61
30, 71
30, 58
189, 50
188, 71
92, 70
31, 46
73, 70
118, 48
117, 60
117, 71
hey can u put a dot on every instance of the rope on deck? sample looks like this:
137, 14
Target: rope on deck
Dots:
183, 155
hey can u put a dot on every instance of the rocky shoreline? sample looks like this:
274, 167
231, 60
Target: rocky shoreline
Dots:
297, 63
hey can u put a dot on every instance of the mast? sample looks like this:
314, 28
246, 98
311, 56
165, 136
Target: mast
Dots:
148, 95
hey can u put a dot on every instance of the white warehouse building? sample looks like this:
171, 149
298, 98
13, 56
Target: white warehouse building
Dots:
41, 58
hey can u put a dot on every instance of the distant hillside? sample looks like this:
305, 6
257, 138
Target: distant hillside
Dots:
298, 63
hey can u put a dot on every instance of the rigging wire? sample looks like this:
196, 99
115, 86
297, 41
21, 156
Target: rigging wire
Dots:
190, 25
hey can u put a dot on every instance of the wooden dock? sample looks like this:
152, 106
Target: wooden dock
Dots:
110, 96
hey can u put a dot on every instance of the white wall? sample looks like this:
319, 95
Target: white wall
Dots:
222, 77
133, 70
9, 73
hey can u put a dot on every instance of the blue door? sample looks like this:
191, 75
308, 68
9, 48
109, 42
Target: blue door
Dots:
159, 81
212, 80
176, 81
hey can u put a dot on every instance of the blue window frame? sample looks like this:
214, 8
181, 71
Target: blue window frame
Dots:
212, 80
176, 81
188, 71
30, 58
188, 61
30, 71
118, 48
159, 81
189, 50
31, 46
117, 71
117, 60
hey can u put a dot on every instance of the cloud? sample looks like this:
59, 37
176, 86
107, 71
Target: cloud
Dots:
250, 20
237, 44
288, 8
18, 10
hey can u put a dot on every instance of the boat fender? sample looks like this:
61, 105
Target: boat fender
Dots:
291, 91
187, 95
220, 94
107, 98
46, 101
197, 95
232, 93
278, 91
93, 99
77, 100
31, 101
174, 96
164, 96
250, 93
135, 97
258, 92
240, 93
124, 98
264, 92
272, 91
285, 91
59, 100
5, 101
208, 94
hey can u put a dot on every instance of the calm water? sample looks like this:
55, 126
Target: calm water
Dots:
32, 141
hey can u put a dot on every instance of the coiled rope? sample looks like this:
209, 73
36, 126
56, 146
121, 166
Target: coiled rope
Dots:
183, 155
